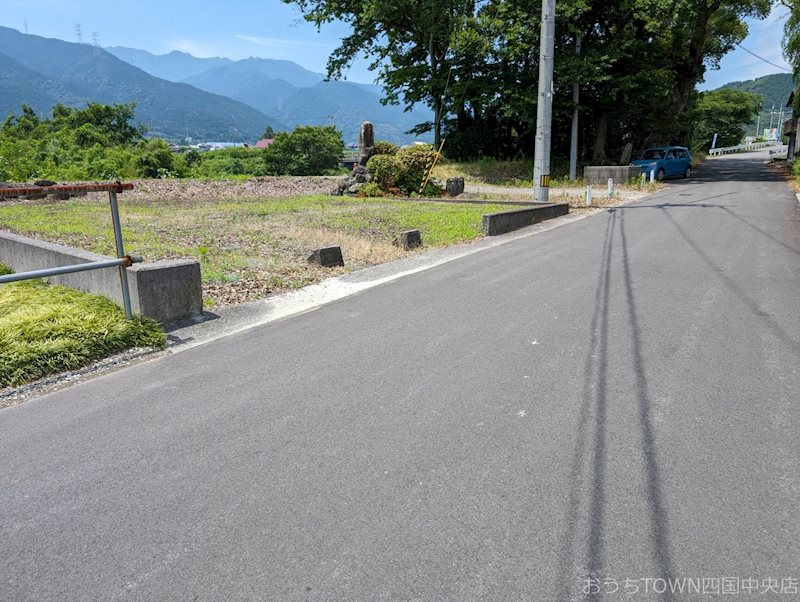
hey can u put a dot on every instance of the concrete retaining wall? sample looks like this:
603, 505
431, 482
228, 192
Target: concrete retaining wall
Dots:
621, 173
508, 221
166, 291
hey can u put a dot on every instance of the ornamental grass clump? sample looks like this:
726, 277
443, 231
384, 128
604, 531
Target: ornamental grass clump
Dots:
48, 329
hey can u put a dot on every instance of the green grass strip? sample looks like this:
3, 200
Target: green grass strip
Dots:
48, 329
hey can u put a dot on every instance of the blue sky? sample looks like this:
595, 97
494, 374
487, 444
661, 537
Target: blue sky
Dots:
271, 29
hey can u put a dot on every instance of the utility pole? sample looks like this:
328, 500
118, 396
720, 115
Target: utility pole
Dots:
544, 109
573, 143
771, 114
758, 124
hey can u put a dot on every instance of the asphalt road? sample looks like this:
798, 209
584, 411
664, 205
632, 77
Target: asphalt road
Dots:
618, 398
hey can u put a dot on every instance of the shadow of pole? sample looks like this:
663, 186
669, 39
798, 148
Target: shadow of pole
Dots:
662, 557
595, 362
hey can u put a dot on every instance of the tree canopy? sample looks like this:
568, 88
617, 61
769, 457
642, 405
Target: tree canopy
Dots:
475, 64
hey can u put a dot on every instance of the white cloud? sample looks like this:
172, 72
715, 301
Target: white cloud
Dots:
281, 42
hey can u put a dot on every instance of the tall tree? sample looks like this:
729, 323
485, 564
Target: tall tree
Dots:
409, 42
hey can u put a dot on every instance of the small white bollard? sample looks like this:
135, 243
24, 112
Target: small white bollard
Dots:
610, 187
588, 196
643, 182
652, 175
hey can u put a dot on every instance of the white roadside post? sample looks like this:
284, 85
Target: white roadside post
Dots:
652, 175
610, 187
588, 195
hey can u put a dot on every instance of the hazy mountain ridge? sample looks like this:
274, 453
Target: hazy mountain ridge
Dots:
74, 74
292, 94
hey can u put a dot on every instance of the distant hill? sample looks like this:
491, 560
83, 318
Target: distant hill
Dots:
774, 88
22, 85
346, 106
78, 73
251, 87
292, 94
175, 66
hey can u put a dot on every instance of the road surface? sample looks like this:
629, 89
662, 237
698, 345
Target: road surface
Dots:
616, 401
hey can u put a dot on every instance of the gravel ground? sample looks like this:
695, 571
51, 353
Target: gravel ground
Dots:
273, 187
10, 396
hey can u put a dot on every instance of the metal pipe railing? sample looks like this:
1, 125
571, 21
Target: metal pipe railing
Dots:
122, 261
69, 269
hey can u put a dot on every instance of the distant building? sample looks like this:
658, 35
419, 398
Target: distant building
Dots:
263, 143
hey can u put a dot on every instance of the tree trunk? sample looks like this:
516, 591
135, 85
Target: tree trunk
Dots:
599, 153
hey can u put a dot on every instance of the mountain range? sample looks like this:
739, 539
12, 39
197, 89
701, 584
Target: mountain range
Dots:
41, 71
178, 95
284, 90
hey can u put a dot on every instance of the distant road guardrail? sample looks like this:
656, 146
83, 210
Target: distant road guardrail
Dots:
724, 150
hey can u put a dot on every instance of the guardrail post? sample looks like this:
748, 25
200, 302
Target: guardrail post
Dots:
123, 271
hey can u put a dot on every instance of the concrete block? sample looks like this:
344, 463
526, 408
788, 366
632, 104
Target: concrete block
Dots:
327, 257
410, 239
599, 174
166, 291
508, 221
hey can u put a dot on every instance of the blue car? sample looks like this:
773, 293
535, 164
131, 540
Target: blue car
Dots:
666, 161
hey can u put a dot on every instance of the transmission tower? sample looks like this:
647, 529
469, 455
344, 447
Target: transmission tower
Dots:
78, 34
96, 43
26, 28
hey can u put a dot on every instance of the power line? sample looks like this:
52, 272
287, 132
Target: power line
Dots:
761, 58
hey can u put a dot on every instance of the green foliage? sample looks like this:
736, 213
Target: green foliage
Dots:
386, 170
405, 171
725, 112
47, 329
384, 147
95, 143
475, 65
227, 162
371, 189
306, 151
416, 161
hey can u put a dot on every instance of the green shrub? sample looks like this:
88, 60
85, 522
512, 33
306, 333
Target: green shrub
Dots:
386, 170
371, 189
227, 162
306, 151
415, 162
384, 147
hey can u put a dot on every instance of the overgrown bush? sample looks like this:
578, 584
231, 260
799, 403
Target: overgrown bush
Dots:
416, 161
384, 147
405, 171
227, 162
306, 151
371, 189
386, 170
95, 143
